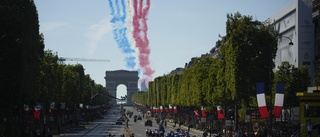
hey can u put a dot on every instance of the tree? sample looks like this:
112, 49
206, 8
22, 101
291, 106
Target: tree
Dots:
70, 86
295, 79
317, 78
104, 95
89, 89
20, 53
248, 52
48, 81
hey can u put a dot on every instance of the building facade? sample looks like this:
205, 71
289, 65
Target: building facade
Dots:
294, 23
316, 22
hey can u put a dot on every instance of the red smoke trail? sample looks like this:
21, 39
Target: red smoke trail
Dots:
140, 35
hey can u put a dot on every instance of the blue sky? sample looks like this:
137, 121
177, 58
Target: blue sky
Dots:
177, 31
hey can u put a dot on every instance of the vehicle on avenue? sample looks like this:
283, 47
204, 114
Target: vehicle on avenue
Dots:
120, 121
139, 118
148, 123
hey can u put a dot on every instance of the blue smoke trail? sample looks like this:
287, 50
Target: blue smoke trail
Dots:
118, 21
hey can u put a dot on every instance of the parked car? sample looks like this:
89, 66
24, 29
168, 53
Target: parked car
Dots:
148, 123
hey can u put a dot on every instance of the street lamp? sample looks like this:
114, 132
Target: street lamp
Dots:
290, 43
270, 113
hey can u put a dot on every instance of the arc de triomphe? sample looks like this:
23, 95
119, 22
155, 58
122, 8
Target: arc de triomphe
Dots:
127, 78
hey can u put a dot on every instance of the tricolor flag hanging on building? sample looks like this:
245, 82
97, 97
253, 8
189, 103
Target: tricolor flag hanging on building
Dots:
220, 112
36, 113
166, 109
262, 100
26, 107
155, 109
203, 112
278, 104
175, 109
195, 111
161, 109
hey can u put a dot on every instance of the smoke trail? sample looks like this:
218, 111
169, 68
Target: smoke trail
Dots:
118, 20
140, 35
130, 27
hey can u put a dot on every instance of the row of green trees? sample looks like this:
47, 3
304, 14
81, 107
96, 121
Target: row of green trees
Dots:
246, 57
21, 52
58, 82
30, 75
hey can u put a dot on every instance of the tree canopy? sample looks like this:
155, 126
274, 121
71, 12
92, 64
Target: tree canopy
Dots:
30, 75
246, 56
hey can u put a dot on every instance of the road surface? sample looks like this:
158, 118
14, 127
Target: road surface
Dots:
106, 126
100, 127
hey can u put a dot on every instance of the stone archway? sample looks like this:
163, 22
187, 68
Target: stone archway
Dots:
127, 78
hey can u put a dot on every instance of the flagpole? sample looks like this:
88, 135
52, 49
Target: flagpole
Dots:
270, 88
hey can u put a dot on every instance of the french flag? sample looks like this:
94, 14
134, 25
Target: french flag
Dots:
37, 111
26, 107
220, 112
175, 110
161, 109
262, 100
196, 112
170, 108
278, 104
203, 112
